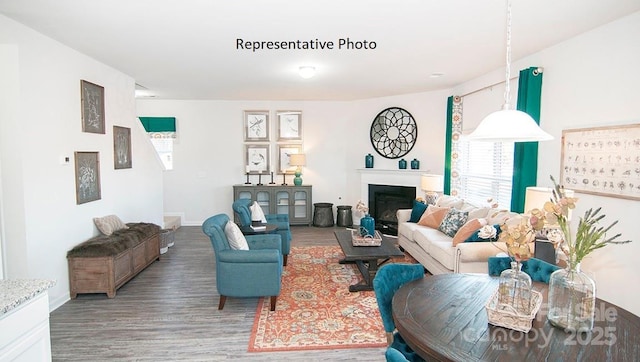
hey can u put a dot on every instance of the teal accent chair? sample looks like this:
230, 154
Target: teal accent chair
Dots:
256, 272
538, 270
386, 283
241, 209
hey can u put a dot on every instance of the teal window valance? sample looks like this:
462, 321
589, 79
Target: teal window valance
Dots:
159, 124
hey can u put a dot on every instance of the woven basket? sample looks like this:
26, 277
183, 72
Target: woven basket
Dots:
358, 240
504, 315
167, 238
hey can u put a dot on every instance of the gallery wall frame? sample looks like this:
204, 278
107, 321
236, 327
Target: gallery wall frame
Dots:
602, 161
92, 107
87, 167
284, 151
256, 158
256, 126
121, 147
289, 126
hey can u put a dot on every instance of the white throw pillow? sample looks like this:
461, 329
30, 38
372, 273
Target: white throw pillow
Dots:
256, 213
237, 241
108, 224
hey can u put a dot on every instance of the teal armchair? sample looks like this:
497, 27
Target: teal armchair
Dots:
241, 209
256, 272
538, 270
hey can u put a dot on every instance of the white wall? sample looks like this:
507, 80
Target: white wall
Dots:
208, 155
589, 81
41, 220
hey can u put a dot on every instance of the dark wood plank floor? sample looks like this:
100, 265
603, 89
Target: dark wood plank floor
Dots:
169, 312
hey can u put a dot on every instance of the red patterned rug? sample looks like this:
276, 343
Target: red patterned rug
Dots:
315, 309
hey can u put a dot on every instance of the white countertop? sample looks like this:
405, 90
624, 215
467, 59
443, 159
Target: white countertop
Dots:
14, 292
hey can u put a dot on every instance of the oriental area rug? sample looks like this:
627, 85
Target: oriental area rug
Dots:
315, 309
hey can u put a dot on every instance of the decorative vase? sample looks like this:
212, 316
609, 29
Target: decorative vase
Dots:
402, 164
415, 164
515, 289
367, 226
368, 161
572, 299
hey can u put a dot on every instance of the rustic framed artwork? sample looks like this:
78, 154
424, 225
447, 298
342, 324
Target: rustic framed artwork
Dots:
121, 147
289, 125
284, 152
87, 176
256, 159
256, 126
92, 102
602, 160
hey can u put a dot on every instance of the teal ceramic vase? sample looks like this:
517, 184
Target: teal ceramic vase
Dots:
367, 226
368, 161
415, 164
402, 164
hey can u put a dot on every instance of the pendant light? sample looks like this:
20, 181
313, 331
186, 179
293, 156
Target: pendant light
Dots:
508, 125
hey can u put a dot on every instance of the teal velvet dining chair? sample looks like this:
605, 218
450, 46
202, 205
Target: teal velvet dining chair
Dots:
256, 272
388, 280
241, 209
538, 270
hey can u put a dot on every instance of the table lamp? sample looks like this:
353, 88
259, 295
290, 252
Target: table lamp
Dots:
431, 185
297, 159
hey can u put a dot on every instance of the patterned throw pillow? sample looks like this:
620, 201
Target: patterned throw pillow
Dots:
453, 221
417, 211
108, 224
256, 213
236, 239
470, 227
433, 216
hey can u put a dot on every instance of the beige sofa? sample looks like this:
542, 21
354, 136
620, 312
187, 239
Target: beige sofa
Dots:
435, 250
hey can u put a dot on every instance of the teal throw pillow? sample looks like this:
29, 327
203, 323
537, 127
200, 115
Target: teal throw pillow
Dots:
417, 211
453, 221
475, 237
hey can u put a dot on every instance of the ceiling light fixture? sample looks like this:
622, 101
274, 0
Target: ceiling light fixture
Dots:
508, 125
307, 71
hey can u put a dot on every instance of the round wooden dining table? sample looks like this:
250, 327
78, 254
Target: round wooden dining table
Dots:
443, 318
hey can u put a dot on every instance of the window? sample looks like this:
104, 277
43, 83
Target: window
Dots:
162, 132
164, 148
486, 171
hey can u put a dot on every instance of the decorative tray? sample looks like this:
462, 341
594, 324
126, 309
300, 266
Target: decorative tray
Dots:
504, 315
359, 240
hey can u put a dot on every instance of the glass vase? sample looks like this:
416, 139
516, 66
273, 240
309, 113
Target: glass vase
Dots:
572, 299
515, 290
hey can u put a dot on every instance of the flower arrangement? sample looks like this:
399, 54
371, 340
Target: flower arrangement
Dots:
362, 207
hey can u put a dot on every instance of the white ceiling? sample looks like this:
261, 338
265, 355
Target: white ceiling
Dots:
186, 49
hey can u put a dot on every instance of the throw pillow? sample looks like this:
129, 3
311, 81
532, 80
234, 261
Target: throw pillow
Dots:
453, 221
236, 239
433, 216
108, 224
417, 211
256, 213
468, 229
475, 237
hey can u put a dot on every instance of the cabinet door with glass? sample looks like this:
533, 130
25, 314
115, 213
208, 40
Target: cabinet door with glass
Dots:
300, 205
294, 201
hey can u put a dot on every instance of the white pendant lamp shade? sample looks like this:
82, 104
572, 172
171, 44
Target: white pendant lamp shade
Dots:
508, 125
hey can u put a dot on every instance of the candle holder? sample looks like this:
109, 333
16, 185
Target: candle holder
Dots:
248, 182
272, 183
284, 179
259, 179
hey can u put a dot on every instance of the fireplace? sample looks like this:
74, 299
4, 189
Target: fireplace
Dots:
384, 202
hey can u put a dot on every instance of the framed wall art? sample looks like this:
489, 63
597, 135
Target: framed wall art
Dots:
121, 147
289, 125
256, 159
256, 126
87, 176
92, 102
602, 160
284, 151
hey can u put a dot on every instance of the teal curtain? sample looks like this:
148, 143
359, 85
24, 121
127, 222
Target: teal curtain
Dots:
525, 158
159, 124
447, 147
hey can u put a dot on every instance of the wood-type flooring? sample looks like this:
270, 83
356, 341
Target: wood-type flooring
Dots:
169, 313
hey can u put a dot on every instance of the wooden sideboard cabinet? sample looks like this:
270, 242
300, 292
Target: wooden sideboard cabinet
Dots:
292, 200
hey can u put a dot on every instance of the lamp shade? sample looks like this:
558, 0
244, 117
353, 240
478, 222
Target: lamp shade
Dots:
509, 125
297, 159
431, 183
535, 197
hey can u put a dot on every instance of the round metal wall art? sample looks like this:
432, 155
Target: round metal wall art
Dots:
393, 132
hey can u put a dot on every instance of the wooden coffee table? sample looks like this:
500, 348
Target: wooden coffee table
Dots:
367, 258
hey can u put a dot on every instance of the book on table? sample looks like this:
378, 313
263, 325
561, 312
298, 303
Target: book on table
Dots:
258, 227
